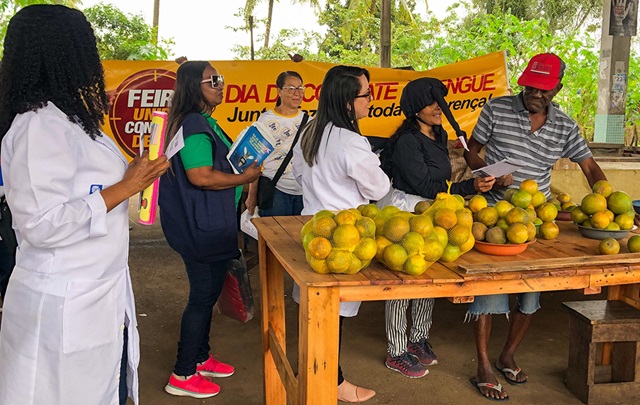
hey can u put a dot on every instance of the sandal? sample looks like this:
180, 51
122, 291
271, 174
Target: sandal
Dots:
494, 387
350, 393
505, 370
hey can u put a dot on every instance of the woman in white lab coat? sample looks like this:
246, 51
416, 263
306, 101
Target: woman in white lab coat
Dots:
337, 169
69, 300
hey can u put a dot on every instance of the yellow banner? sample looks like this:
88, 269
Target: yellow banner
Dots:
137, 88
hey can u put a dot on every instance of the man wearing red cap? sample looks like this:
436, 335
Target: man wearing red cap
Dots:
530, 128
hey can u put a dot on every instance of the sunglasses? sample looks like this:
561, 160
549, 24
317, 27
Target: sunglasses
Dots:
216, 81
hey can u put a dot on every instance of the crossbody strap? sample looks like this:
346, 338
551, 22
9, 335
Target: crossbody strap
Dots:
287, 159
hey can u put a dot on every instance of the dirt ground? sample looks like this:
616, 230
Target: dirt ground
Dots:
161, 290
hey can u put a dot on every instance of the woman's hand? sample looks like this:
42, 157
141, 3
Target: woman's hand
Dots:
139, 175
142, 172
483, 184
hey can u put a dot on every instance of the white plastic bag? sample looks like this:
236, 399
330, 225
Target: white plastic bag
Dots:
246, 225
400, 199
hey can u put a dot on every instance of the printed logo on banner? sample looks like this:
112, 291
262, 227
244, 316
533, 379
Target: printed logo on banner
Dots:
133, 104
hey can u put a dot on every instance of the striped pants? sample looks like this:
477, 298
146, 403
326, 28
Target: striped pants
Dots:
396, 323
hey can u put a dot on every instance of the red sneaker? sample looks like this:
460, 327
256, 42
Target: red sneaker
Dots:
214, 368
195, 386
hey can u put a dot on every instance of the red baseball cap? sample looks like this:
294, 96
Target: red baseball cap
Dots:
543, 72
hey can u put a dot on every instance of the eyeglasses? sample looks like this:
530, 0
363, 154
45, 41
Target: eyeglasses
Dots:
216, 81
293, 89
366, 95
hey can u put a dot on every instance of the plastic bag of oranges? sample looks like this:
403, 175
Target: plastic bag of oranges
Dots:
405, 241
339, 243
452, 224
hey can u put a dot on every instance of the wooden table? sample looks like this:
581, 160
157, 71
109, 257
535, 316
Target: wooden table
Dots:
569, 262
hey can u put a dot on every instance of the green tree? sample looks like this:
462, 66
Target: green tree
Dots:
125, 36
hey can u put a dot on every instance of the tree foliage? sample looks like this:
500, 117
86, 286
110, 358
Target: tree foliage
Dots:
123, 36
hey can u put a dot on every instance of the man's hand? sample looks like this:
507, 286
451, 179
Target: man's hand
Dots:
504, 181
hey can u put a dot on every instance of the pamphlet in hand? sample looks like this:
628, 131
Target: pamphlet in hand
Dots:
253, 144
501, 168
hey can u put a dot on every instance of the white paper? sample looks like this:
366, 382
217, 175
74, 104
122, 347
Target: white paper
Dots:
175, 145
502, 168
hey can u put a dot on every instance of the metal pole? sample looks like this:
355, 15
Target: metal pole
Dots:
385, 34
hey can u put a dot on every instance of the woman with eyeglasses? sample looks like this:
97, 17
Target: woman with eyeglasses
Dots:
337, 169
69, 333
198, 200
417, 160
283, 122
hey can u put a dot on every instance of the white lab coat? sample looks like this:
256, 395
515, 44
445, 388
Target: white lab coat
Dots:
345, 175
69, 297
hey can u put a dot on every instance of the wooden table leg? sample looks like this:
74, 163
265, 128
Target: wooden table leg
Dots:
318, 345
272, 287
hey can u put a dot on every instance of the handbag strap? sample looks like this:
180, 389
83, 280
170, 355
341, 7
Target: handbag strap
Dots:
287, 159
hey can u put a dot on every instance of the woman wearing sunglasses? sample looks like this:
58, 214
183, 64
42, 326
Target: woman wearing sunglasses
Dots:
198, 200
283, 122
337, 169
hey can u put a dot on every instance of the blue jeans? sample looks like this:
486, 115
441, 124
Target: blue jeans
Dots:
205, 285
283, 205
528, 303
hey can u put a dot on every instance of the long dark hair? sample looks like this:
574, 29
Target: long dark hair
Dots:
50, 55
340, 87
386, 155
187, 97
282, 77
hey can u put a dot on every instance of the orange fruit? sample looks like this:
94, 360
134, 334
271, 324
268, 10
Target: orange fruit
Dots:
324, 226
306, 239
478, 230
568, 206
609, 246
488, 216
445, 218
508, 194
603, 188
394, 257
547, 212
624, 220
633, 244
532, 231
548, 230
339, 261
458, 235
613, 227
530, 186
600, 220
319, 248
381, 245
578, 216
366, 249
356, 265
421, 224
496, 235
450, 254
517, 215
415, 265
465, 218
538, 199
477, 202
369, 210
517, 233
422, 206
592, 203
319, 266
502, 224
412, 242
619, 202
323, 213
503, 207
366, 227
345, 237
306, 228
563, 198
468, 245
440, 234
395, 228
521, 199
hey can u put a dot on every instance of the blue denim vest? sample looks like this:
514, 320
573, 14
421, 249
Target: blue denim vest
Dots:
199, 224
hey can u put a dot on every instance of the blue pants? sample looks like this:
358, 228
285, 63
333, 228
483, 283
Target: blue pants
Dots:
123, 371
205, 285
283, 205
528, 303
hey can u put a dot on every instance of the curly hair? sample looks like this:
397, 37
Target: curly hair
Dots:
50, 55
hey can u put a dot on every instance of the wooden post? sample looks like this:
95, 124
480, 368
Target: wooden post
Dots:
385, 34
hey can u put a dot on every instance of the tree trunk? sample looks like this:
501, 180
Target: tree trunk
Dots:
267, 30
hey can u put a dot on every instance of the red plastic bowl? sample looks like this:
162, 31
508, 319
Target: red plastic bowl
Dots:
507, 249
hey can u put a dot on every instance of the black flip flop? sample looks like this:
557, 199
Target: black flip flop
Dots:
506, 370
